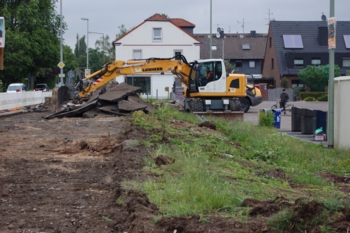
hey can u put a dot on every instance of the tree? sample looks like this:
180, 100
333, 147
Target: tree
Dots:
122, 31
228, 66
80, 52
32, 42
316, 77
106, 48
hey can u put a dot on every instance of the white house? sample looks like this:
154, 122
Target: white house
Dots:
159, 37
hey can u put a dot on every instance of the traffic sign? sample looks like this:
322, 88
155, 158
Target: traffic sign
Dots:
61, 75
61, 64
87, 72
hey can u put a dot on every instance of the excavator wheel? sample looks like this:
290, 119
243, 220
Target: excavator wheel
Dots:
60, 95
235, 104
245, 105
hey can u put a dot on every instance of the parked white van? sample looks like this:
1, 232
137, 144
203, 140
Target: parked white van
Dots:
16, 87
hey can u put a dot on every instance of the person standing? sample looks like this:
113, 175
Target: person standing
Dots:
284, 97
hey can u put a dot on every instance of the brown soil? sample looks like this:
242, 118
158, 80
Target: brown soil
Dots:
65, 175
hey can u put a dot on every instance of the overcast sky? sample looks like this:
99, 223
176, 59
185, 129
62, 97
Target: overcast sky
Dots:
106, 15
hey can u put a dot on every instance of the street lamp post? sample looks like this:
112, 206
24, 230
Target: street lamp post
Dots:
87, 43
103, 42
61, 47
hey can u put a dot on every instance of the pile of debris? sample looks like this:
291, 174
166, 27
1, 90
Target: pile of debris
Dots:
115, 99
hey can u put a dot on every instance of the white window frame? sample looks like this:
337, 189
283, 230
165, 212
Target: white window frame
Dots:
135, 51
251, 64
346, 61
298, 62
315, 61
155, 36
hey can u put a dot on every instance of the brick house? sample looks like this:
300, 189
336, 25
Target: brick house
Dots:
293, 45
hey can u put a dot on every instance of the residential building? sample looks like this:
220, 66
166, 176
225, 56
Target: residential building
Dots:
245, 51
161, 37
293, 45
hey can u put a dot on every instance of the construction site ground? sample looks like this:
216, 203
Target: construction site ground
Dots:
66, 174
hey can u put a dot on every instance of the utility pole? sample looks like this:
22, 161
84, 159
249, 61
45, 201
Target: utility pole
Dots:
61, 64
211, 39
330, 115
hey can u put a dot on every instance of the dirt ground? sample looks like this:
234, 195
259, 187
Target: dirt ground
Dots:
64, 175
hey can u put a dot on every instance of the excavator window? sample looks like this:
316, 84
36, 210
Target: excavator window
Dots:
218, 70
234, 83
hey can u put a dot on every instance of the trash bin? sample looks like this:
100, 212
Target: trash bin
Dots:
320, 120
306, 121
277, 118
296, 119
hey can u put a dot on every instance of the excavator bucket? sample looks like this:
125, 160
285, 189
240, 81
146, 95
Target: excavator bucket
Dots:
60, 95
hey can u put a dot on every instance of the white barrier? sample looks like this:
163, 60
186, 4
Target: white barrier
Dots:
341, 112
13, 100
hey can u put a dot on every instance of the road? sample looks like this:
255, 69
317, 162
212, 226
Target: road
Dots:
252, 115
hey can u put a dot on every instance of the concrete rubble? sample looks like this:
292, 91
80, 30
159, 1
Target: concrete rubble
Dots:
115, 99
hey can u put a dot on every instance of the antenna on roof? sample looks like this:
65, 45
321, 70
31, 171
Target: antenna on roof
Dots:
323, 17
242, 24
269, 18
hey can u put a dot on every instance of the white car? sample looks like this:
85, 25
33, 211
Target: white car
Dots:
16, 87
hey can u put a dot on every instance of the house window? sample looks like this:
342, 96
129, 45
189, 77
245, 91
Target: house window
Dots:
214, 47
238, 64
143, 82
137, 54
298, 63
270, 42
346, 62
297, 84
272, 63
245, 46
293, 42
316, 61
251, 64
157, 34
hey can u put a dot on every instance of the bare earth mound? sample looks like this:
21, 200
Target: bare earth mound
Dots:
64, 175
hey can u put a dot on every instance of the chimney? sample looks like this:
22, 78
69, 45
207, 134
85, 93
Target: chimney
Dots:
253, 34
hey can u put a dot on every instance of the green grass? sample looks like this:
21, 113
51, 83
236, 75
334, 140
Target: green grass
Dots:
214, 171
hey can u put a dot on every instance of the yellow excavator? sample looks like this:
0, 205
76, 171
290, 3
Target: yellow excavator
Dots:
207, 85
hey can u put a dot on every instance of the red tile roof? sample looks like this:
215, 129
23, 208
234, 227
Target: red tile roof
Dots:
158, 17
181, 22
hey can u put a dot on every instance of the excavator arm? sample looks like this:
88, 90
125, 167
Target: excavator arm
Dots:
177, 65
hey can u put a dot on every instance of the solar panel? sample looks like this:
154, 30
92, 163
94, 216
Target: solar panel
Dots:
245, 46
347, 41
293, 42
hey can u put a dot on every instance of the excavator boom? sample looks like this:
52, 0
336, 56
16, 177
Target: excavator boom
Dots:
177, 65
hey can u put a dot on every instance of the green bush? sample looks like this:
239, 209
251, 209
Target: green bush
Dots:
315, 95
310, 99
323, 98
284, 82
266, 118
